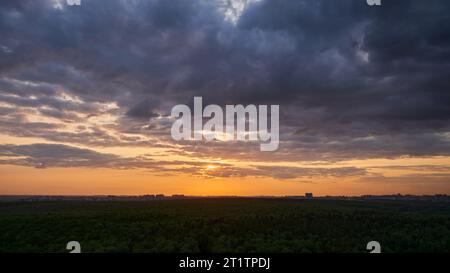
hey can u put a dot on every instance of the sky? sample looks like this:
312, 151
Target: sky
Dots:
86, 94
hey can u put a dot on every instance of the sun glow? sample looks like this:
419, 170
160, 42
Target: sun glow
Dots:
211, 167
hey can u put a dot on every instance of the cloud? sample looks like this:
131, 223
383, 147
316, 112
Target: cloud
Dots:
351, 81
53, 155
296, 172
281, 172
63, 156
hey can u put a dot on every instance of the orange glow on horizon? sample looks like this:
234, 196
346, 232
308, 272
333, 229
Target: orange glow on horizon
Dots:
15, 180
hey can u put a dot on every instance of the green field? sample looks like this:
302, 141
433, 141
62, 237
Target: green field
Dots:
231, 225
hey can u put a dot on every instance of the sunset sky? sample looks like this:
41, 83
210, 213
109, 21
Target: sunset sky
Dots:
86, 94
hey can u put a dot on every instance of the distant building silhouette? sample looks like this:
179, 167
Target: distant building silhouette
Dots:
177, 195
309, 195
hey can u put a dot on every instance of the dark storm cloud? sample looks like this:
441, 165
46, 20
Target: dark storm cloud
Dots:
353, 81
143, 110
